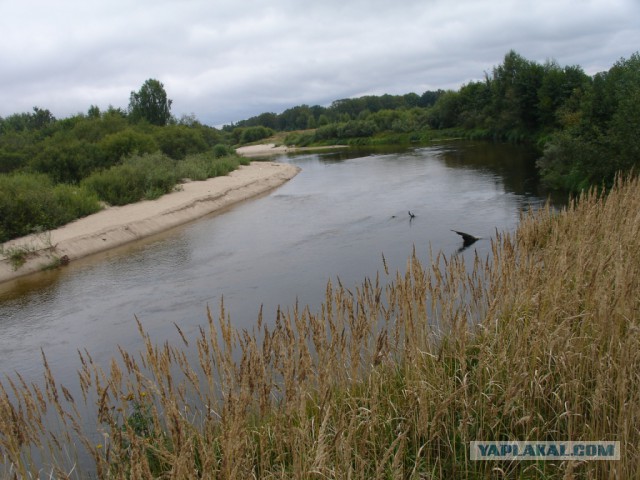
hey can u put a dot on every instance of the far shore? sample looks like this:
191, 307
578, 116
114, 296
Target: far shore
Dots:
116, 226
267, 149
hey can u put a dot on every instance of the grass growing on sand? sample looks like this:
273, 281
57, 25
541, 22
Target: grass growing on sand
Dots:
390, 380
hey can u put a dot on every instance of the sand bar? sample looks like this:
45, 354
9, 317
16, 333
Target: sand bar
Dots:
267, 149
262, 150
116, 226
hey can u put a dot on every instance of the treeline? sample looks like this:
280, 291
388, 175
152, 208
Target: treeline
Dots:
519, 100
586, 126
340, 121
55, 170
599, 133
305, 117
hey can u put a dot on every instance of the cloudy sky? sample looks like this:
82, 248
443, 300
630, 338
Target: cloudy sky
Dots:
227, 60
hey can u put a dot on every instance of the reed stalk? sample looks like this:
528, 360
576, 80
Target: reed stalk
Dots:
391, 379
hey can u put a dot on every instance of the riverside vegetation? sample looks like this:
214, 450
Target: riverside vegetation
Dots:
586, 127
55, 171
391, 379
32, 201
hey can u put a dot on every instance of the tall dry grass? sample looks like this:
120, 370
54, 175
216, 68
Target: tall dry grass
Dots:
390, 380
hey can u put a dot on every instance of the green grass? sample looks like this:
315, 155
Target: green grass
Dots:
203, 166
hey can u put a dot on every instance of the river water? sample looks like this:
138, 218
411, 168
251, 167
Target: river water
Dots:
335, 219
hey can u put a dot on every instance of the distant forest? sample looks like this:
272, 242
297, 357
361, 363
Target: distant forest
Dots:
55, 170
586, 127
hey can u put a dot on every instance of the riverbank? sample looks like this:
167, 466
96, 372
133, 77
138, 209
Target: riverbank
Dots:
116, 226
396, 378
267, 149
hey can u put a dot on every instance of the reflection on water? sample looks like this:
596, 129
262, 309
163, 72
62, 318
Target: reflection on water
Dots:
335, 219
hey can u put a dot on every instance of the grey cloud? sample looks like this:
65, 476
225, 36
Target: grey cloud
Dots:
227, 60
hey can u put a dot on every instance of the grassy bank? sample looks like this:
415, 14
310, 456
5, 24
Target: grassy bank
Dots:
389, 380
419, 136
315, 138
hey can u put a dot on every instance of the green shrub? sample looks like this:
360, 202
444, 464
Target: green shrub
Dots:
94, 129
137, 178
253, 134
327, 132
119, 145
65, 159
23, 202
196, 167
178, 141
207, 165
224, 166
300, 139
30, 202
74, 202
221, 150
10, 161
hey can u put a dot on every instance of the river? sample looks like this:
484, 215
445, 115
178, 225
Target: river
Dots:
335, 219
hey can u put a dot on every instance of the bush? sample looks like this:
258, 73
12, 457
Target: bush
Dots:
195, 167
203, 166
30, 202
302, 139
178, 141
65, 159
10, 161
139, 177
253, 134
119, 145
327, 132
226, 165
23, 203
221, 150
72, 202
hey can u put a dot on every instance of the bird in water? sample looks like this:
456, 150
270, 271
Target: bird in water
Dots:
467, 239
411, 215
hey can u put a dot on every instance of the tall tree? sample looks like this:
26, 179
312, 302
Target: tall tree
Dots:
150, 103
602, 137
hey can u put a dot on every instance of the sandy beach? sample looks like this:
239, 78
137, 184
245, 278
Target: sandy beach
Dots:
116, 226
268, 149
264, 149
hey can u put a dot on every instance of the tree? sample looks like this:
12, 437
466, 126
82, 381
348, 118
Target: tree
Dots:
150, 103
445, 112
429, 98
515, 86
94, 112
178, 141
41, 118
602, 140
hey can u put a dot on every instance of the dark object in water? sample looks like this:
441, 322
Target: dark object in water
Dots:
467, 239
411, 215
64, 260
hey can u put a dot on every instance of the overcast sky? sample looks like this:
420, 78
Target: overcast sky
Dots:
227, 60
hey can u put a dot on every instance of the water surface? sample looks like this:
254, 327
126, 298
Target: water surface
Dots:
335, 219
